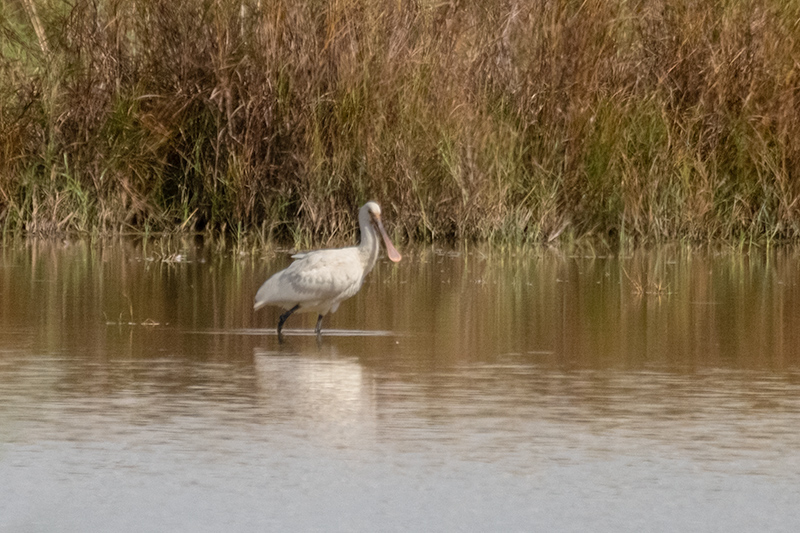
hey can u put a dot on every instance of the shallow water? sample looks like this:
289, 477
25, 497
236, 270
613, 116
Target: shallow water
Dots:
474, 390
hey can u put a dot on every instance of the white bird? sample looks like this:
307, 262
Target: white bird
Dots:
318, 281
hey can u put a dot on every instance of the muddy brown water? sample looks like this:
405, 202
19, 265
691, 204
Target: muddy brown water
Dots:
460, 390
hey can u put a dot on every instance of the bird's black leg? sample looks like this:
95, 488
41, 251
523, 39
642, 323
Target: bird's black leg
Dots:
283, 318
318, 329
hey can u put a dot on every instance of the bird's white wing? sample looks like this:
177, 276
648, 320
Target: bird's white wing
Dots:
324, 274
314, 278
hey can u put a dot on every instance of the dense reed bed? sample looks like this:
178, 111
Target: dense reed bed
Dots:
633, 120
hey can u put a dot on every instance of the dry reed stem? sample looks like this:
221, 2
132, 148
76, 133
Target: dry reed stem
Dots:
640, 120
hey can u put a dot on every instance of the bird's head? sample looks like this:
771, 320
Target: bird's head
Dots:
374, 211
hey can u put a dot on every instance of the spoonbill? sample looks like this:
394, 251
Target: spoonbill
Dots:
318, 281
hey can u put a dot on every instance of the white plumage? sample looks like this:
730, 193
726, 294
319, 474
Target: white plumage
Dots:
318, 281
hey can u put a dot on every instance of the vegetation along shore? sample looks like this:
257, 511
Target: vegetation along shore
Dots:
633, 120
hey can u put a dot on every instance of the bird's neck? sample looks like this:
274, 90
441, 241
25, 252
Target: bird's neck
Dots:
369, 247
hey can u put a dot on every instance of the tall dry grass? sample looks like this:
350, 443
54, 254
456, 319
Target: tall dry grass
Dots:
510, 121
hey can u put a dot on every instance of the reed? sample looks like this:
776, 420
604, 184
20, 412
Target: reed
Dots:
630, 121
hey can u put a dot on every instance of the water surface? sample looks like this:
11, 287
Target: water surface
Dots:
474, 390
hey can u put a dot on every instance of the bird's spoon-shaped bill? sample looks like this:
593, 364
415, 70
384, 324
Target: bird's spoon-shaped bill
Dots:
391, 251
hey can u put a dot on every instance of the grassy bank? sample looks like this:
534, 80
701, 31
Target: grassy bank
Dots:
510, 121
